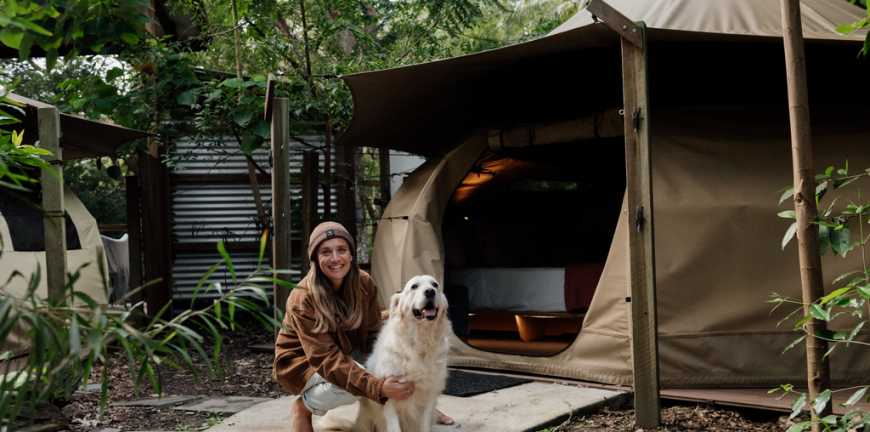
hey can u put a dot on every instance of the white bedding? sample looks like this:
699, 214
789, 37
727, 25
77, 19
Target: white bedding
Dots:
513, 289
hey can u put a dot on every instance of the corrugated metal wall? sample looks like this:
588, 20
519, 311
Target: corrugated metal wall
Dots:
204, 212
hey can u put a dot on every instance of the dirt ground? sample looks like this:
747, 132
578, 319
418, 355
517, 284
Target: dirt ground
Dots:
684, 417
251, 376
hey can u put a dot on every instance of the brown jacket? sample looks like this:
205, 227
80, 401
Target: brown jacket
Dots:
300, 352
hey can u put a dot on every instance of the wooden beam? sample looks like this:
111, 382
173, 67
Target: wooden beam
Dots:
176, 178
344, 186
617, 21
211, 246
281, 209
54, 223
134, 245
310, 180
384, 162
641, 238
157, 240
270, 98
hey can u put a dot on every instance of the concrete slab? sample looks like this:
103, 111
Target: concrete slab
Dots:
525, 408
91, 388
227, 405
160, 403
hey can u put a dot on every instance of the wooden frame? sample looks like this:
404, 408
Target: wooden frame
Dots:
644, 320
281, 249
54, 223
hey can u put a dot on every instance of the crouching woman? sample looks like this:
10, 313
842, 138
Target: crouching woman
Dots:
333, 324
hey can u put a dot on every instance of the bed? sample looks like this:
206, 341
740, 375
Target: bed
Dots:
542, 289
533, 301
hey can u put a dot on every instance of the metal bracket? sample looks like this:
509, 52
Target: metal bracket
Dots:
639, 219
635, 118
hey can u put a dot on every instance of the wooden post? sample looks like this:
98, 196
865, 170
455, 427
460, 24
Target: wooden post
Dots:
641, 238
310, 180
54, 223
345, 188
157, 240
812, 284
281, 197
384, 162
134, 243
638, 172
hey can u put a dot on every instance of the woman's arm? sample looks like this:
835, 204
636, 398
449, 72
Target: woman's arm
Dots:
326, 357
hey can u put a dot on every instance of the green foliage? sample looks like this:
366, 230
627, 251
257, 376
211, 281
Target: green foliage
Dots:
62, 331
849, 300
97, 189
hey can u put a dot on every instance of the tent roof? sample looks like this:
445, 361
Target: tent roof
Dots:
758, 18
82, 138
424, 108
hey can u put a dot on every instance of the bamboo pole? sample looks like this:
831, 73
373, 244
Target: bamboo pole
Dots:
812, 285
54, 222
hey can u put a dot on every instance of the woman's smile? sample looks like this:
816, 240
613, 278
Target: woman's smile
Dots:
334, 257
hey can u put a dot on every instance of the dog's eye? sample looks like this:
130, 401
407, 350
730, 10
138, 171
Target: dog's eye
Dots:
413, 287
434, 284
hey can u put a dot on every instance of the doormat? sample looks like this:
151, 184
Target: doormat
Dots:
464, 384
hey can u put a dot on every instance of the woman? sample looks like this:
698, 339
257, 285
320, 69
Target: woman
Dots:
334, 321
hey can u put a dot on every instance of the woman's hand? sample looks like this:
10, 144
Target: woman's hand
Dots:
396, 388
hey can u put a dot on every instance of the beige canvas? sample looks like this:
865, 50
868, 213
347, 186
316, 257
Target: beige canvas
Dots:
718, 253
90, 281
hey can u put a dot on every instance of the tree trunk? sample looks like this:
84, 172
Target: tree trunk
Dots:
812, 286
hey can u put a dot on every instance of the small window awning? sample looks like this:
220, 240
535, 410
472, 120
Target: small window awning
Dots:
82, 138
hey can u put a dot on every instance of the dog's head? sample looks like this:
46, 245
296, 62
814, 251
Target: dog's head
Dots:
421, 300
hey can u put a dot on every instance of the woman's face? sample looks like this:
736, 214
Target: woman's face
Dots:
334, 257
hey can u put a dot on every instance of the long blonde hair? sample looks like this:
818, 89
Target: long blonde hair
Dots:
336, 309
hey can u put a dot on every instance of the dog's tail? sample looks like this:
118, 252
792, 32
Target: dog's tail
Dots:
337, 420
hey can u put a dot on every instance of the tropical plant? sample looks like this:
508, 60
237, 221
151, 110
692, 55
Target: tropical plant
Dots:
75, 326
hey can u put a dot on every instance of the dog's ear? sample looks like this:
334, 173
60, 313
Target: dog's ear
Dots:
395, 310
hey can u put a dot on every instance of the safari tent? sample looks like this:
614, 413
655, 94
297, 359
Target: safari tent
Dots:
22, 226
522, 199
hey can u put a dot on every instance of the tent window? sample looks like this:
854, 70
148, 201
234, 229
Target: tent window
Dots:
26, 224
545, 185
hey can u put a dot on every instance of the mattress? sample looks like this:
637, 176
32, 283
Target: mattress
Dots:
513, 289
537, 289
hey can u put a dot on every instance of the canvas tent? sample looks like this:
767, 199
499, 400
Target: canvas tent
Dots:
720, 150
21, 226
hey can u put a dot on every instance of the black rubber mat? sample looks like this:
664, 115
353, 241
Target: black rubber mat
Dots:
464, 384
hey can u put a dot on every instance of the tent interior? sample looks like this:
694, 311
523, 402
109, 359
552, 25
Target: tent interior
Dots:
530, 276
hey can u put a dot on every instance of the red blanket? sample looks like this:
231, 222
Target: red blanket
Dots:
581, 279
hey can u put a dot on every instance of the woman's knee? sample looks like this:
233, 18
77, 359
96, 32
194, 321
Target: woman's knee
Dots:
299, 408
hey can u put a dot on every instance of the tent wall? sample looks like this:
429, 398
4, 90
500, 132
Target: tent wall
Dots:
718, 254
90, 281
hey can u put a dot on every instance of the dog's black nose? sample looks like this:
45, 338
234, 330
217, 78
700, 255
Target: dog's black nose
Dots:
429, 293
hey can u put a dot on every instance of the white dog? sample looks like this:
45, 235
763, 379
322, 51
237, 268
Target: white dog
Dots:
413, 343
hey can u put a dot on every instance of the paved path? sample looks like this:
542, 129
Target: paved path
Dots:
525, 408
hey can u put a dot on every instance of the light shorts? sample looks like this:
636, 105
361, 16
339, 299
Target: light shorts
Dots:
320, 396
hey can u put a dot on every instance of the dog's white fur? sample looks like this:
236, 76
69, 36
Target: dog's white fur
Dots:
413, 345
